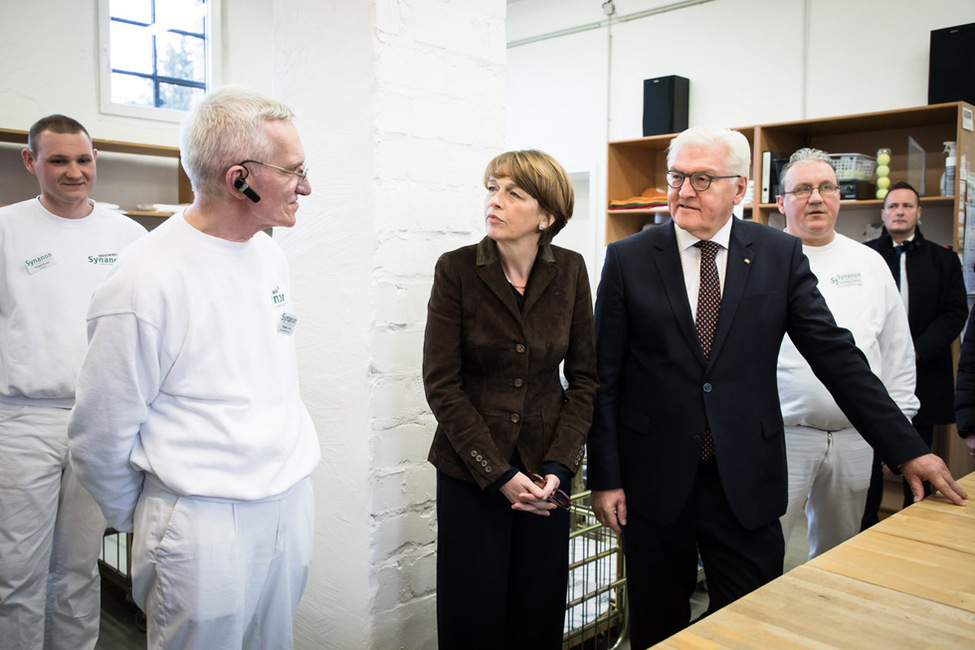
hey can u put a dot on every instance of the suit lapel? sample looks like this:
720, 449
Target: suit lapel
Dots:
490, 273
740, 260
542, 275
489, 270
670, 269
493, 277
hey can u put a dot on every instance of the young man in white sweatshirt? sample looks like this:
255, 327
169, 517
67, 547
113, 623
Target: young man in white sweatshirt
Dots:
829, 462
54, 250
189, 428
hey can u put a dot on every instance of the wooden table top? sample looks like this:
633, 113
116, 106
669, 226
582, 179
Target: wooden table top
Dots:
907, 582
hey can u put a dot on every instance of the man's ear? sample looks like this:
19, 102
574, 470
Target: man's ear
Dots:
28, 160
741, 189
779, 204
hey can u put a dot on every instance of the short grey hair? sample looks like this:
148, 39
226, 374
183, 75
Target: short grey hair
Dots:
801, 157
224, 128
739, 153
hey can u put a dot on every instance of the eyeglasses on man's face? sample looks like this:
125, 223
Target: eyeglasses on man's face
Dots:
301, 171
805, 191
559, 498
699, 180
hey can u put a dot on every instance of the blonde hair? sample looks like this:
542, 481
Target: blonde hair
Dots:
543, 178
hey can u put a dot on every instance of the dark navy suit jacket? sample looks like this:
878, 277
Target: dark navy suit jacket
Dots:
657, 393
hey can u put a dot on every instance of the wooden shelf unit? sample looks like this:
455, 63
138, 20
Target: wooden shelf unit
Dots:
635, 165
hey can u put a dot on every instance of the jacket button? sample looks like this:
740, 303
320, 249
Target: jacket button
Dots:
473, 453
488, 469
520, 348
519, 382
515, 418
707, 387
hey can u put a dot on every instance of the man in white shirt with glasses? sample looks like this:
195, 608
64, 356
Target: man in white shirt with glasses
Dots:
189, 428
829, 461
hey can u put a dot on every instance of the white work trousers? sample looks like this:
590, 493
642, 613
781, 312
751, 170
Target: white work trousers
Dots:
50, 537
832, 470
216, 574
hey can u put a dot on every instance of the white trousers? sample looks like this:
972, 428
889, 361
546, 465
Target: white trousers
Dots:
50, 537
216, 574
832, 470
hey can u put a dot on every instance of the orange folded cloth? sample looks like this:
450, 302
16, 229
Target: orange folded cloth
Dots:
650, 198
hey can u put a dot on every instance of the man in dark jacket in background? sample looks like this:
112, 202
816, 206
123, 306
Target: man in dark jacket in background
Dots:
930, 280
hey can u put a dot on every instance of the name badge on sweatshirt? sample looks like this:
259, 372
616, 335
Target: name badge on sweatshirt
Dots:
40, 263
287, 323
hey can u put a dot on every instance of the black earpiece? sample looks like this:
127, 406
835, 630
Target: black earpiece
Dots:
246, 190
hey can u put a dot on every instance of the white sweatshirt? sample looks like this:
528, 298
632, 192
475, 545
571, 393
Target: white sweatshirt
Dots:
863, 297
191, 375
49, 267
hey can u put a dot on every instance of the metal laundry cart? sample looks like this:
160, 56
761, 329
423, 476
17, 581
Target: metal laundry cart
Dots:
596, 614
115, 565
115, 559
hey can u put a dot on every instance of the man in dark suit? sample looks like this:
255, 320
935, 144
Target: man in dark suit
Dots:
932, 287
687, 451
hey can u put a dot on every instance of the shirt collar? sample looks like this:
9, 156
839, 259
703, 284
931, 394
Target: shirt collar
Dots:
685, 239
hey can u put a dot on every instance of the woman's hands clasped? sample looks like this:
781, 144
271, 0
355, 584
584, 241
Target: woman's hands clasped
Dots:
538, 497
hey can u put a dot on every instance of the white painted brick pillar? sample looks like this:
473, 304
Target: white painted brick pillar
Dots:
400, 106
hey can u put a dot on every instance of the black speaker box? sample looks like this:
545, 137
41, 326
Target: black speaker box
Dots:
665, 105
951, 65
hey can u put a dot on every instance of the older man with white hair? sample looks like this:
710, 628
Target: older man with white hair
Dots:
189, 428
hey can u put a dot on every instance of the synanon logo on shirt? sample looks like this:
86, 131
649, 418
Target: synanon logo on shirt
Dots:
847, 279
103, 259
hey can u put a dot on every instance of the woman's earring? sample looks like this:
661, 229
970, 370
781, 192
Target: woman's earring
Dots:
541, 226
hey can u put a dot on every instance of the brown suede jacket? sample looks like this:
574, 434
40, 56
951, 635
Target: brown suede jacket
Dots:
491, 373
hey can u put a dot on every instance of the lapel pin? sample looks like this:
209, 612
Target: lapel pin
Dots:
747, 261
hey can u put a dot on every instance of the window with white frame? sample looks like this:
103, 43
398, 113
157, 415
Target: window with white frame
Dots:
156, 55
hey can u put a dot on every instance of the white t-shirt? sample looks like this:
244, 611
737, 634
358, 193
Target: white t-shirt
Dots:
862, 295
49, 267
191, 374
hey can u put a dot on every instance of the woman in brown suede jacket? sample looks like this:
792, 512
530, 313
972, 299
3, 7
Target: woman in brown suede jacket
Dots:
503, 315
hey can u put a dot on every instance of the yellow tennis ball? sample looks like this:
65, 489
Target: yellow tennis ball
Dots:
883, 183
883, 159
883, 170
881, 194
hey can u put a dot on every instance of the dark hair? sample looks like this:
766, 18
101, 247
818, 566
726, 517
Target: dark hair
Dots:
56, 123
902, 185
543, 178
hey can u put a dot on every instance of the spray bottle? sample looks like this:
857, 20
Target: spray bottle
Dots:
948, 176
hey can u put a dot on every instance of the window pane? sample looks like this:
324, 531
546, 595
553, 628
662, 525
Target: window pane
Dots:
135, 91
184, 15
131, 48
139, 11
178, 98
181, 57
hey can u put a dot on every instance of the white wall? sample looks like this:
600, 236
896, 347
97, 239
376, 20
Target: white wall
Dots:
748, 61
400, 106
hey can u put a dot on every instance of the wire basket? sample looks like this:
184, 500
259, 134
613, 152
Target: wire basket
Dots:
852, 166
596, 614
